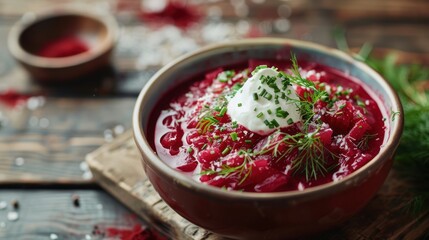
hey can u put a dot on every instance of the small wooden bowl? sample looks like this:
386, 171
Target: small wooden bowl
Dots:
98, 31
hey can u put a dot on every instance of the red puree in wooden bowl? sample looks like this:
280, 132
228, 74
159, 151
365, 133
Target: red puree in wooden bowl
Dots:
249, 142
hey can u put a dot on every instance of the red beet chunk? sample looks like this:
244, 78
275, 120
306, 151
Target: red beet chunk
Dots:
358, 130
189, 166
263, 178
171, 139
340, 117
325, 136
209, 155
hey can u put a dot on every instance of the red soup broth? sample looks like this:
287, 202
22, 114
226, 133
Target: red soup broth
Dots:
348, 131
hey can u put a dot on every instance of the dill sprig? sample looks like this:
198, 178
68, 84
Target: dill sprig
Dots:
210, 113
307, 151
205, 123
306, 148
242, 171
310, 157
305, 104
363, 143
412, 155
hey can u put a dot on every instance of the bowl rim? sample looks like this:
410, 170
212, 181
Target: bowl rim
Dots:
105, 19
179, 178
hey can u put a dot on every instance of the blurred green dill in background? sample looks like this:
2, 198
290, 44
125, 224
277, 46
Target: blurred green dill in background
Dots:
411, 82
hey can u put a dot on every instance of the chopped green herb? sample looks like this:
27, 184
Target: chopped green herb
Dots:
255, 96
226, 150
222, 112
225, 76
274, 123
360, 103
258, 68
237, 87
281, 113
393, 115
234, 136
267, 123
268, 96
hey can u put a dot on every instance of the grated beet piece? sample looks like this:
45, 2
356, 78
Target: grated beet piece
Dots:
359, 129
340, 117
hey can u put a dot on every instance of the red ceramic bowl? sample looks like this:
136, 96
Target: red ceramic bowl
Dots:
280, 215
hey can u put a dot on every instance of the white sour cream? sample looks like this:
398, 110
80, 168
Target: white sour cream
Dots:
262, 114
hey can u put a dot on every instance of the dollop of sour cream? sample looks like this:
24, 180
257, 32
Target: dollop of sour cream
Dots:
266, 102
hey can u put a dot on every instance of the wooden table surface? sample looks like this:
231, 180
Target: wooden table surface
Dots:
44, 139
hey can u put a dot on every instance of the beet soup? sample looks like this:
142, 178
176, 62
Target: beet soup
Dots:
269, 126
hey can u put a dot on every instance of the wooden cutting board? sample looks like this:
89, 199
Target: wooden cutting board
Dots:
117, 167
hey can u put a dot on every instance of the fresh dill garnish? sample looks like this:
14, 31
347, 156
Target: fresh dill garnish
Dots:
394, 114
225, 76
258, 68
241, 171
305, 104
412, 155
307, 150
189, 149
234, 136
226, 150
363, 143
310, 156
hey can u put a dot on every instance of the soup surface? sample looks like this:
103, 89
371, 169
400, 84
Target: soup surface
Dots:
269, 126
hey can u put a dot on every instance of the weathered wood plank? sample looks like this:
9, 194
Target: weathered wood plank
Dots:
56, 214
117, 168
49, 143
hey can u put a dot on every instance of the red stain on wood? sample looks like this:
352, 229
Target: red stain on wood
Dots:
12, 98
137, 232
63, 47
177, 13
